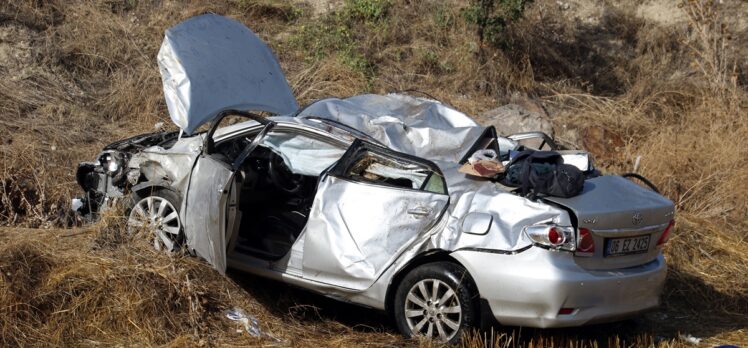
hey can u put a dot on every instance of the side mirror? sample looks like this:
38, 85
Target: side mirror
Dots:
477, 223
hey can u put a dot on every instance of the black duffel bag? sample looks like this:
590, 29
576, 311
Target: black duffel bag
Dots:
543, 173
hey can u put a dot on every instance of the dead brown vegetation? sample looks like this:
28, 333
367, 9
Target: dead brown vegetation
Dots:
76, 75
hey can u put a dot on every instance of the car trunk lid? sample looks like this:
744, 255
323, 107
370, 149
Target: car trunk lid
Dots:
211, 63
625, 220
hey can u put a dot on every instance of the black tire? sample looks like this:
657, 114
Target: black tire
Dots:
168, 195
447, 274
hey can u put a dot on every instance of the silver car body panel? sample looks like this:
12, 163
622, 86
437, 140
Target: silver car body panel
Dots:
205, 210
350, 241
211, 63
170, 167
622, 199
529, 288
607, 207
510, 212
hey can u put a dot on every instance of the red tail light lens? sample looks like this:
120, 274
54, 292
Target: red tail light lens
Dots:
555, 237
586, 245
666, 233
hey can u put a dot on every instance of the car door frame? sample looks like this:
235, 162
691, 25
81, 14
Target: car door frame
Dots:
215, 254
339, 172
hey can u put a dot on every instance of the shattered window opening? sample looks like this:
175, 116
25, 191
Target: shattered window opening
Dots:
386, 171
303, 154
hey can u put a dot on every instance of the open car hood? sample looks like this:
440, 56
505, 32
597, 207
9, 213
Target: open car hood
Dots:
211, 63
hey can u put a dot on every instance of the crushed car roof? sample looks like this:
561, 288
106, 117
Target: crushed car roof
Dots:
416, 126
211, 63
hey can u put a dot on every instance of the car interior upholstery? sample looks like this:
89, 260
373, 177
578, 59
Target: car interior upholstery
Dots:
272, 201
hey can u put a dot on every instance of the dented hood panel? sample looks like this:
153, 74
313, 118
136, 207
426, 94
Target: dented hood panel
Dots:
211, 63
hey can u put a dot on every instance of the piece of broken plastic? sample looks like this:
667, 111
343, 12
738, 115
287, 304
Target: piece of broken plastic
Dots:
482, 168
76, 204
483, 155
690, 339
250, 323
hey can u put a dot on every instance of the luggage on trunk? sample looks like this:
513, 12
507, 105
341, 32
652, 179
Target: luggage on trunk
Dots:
543, 173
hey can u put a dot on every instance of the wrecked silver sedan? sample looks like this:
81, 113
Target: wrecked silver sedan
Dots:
363, 199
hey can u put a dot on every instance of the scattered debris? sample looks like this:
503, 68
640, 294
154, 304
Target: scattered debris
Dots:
636, 163
484, 163
76, 204
690, 339
251, 325
483, 155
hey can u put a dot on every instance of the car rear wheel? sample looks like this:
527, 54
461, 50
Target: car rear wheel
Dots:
436, 300
158, 216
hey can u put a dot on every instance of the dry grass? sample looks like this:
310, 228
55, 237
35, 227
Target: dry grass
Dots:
76, 75
98, 287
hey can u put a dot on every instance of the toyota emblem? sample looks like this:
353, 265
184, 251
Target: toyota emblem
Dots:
637, 218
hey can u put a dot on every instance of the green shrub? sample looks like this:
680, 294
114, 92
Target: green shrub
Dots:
366, 10
339, 33
491, 17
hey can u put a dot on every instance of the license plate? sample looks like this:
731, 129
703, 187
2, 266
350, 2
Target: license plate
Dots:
626, 246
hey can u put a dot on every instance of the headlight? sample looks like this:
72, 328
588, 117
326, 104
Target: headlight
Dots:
552, 236
113, 162
112, 166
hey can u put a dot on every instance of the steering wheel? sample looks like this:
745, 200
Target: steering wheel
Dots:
282, 177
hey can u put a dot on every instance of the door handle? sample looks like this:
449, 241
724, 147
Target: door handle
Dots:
420, 211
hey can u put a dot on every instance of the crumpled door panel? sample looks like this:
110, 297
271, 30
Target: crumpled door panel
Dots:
356, 229
205, 210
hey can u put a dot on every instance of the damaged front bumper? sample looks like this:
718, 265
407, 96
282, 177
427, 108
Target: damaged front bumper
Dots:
111, 176
100, 187
550, 290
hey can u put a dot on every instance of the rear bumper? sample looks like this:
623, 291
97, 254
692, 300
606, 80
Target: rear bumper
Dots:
529, 288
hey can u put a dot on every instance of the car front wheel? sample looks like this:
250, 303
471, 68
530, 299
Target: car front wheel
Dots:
436, 300
158, 217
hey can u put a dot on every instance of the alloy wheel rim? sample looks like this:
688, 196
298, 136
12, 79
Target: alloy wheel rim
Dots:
432, 309
157, 215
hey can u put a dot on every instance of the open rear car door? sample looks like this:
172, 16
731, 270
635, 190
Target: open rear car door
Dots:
369, 207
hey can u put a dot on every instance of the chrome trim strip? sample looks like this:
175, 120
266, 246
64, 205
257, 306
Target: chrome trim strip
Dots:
622, 232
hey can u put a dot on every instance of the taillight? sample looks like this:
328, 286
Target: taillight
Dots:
666, 233
586, 244
553, 236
